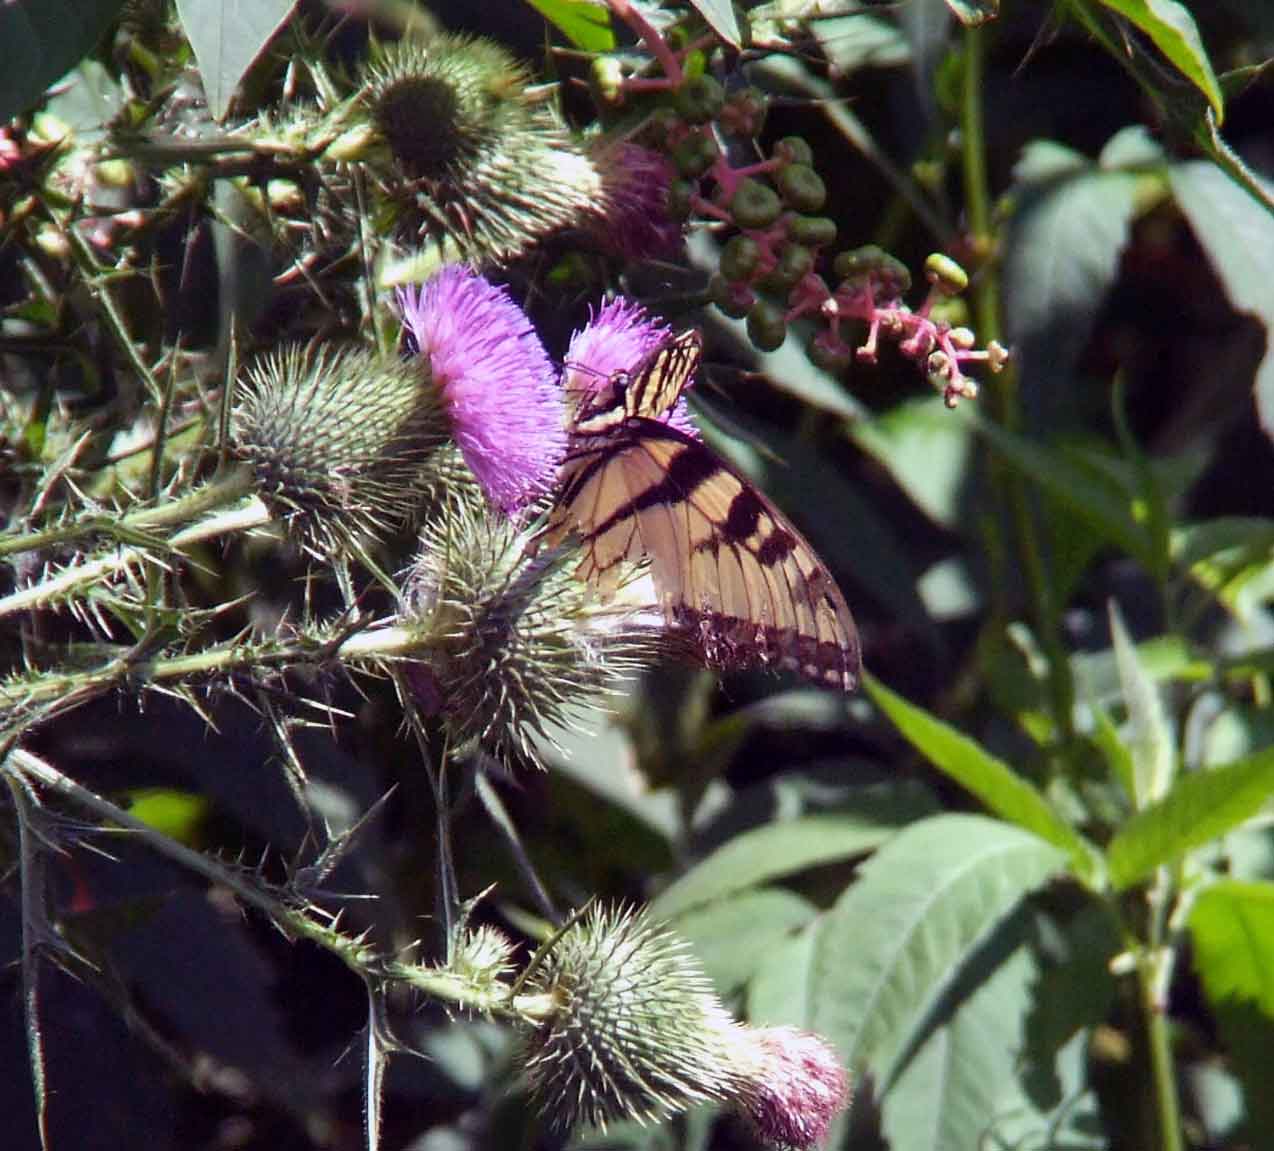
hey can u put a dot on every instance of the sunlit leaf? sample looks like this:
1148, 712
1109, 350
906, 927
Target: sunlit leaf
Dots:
971, 13
990, 779
228, 36
720, 17
1151, 743
585, 23
1201, 806
897, 939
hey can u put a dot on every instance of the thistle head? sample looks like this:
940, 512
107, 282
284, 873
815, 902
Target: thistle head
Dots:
518, 645
616, 339
478, 160
495, 382
341, 441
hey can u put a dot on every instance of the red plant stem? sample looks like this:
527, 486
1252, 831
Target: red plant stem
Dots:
654, 42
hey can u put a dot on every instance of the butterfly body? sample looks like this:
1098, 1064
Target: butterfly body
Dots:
733, 574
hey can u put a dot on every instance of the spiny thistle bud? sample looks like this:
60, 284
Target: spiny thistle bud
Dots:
633, 1030
340, 441
480, 161
483, 956
519, 645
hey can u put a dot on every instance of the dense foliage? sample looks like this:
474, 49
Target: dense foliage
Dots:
332, 792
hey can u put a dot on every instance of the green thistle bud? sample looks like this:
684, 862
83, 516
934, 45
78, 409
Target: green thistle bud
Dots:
634, 1030
754, 205
518, 644
341, 442
479, 160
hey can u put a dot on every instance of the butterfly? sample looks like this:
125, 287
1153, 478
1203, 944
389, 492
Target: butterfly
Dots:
732, 572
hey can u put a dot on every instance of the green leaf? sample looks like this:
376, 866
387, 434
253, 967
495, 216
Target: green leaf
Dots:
926, 450
227, 36
733, 936
990, 779
1238, 236
177, 814
971, 13
721, 19
1163, 658
778, 849
897, 939
1174, 32
860, 40
42, 40
1151, 743
1232, 927
781, 988
1062, 255
583, 22
1200, 807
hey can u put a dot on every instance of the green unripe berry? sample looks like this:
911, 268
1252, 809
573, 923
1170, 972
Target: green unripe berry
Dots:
945, 274
802, 187
834, 360
816, 231
794, 150
733, 299
795, 261
888, 271
695, 154
767, 327
681, 194
755, 205
739, 258
699, 99
660, 123
744, 112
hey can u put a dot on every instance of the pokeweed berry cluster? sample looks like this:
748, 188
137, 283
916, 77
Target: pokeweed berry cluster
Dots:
769, 269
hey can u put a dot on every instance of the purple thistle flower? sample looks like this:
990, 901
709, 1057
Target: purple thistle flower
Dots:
795, 1085
617, 339
496, 382
636, 222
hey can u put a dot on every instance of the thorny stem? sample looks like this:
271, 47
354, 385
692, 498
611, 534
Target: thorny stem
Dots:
251, 514
130, 526
1003, 389
279, 905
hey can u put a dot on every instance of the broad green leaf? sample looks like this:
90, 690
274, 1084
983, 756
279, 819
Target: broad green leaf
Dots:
227, 36
177, 814
41, 40
1200, 807
896, 941
1174, 32
963, 1087
732, 936
1232, 928
990, 779
779, 849
1151, 743
720, 17
926, 450
1232, 925
585, 23
1062, 254
780, 988
1238, 236
971, 13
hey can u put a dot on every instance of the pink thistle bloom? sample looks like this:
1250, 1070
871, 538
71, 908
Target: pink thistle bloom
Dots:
635, 221
617, 339
794, 1085
496, 381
